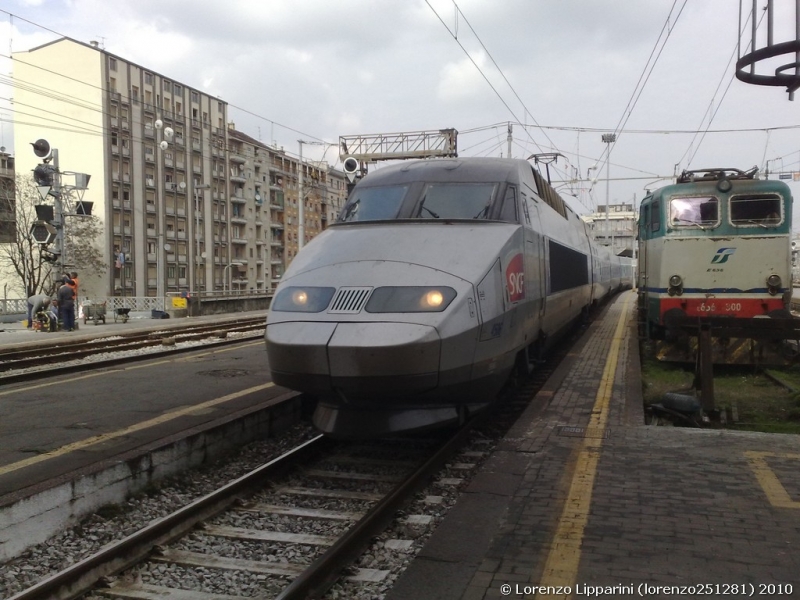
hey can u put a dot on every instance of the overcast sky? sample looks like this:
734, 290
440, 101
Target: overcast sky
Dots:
568, 69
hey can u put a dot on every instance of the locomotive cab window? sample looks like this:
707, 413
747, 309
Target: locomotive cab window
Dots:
698, 211
374, 204
761, 210
456, 201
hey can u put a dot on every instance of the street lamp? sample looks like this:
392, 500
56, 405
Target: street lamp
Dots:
608, 138
226, 276
167, 134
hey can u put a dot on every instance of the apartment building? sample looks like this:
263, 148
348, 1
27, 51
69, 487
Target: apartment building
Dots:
265, 198
8, 224
617, 230
188, 203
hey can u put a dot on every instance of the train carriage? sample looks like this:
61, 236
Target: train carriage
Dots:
714, 245
438, 279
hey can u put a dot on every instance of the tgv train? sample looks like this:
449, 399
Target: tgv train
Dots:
717, 243
439, 277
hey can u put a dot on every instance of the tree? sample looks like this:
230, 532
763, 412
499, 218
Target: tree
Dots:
23, 261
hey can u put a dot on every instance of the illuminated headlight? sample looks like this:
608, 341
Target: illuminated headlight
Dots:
303, 299
675, 286
410, 299
774, 284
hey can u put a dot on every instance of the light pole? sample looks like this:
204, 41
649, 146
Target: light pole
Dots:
168, 134
608, 138
226, 275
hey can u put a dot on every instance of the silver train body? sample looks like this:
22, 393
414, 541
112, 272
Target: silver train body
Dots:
439, 277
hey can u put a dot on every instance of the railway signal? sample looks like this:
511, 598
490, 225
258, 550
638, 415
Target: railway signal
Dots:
43, 233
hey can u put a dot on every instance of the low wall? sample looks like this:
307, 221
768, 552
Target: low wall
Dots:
198, 307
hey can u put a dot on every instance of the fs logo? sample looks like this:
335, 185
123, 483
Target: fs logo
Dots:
722, 255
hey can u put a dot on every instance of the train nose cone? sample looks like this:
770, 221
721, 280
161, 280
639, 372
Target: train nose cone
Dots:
389, 358
356, 358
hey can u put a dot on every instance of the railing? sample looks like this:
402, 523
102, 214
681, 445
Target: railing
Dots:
13, 306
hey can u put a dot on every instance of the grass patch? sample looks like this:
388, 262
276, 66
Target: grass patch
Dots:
761, 403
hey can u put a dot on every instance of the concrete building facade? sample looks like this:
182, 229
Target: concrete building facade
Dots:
188, 204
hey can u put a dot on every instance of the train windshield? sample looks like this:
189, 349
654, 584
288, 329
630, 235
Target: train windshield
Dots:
761, 210
696, 211
374, 203
455, 201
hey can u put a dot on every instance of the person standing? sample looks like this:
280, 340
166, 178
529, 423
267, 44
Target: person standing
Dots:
74, 285
66, 305
36, 303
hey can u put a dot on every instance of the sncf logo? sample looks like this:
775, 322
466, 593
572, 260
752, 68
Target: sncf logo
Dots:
722, 255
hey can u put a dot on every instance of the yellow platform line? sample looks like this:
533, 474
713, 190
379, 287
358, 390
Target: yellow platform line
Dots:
561, 567
776, 493
105, 437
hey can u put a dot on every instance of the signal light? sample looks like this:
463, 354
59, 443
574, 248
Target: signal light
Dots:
43, 232
44, 212
41, 148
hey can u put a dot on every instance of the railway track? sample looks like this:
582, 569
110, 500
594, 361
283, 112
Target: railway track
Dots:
286, 530
20, 364
290, 528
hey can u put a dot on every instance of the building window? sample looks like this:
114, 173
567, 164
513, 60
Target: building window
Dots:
195, 97
177, 90
112, 84
112, 64
167, 85
148, 78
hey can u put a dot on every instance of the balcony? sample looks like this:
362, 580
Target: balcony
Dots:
235, 157
276, 225
241, 219
239, 178
239, 199
236, 240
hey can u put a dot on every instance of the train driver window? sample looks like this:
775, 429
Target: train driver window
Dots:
694, 211
456, 201
508, 212
655, 216
761, 210
374, 204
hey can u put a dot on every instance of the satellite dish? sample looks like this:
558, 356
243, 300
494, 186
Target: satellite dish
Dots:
167, 247
259, 199
2, 148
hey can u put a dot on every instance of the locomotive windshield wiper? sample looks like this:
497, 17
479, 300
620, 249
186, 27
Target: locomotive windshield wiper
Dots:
754, 222
423, 207
483, 214
695, 223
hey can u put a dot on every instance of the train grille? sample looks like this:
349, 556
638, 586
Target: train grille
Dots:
349, 300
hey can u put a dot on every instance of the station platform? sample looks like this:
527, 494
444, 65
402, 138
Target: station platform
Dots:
582, 499
15, 333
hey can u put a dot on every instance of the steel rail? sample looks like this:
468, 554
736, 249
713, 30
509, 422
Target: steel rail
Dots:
60, 346
87, 348
325, 570
81, 577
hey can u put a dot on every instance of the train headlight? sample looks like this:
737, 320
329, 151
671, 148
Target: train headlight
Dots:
774, 284
675, 286
408, 299
303, 299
